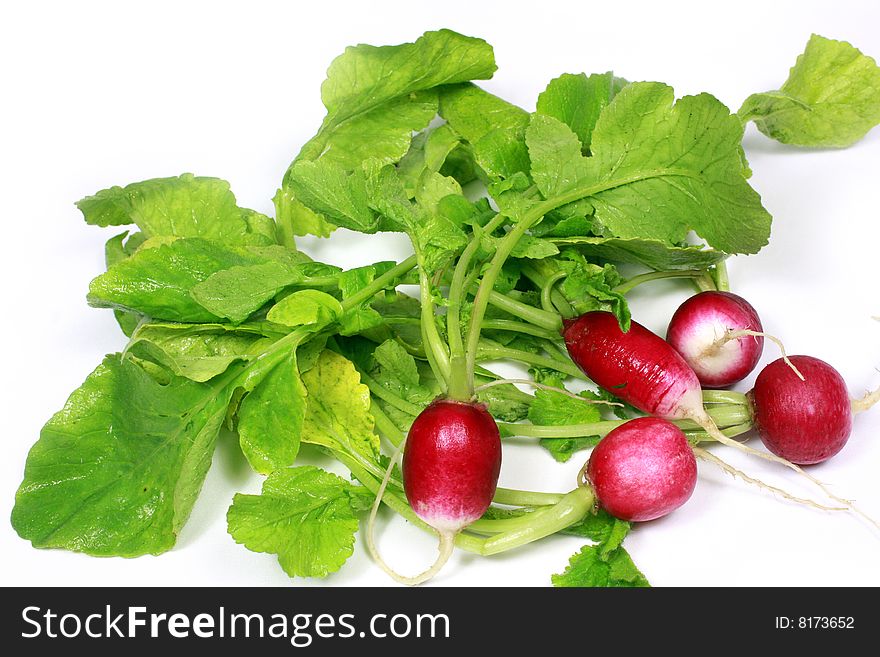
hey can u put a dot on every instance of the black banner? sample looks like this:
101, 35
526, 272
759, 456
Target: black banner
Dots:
398, 620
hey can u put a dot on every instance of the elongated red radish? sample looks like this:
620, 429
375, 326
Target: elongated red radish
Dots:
702, 331
805, 421
638, 366
642, 470
451, 463
642, 369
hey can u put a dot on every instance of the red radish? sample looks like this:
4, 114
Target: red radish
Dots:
805, 421
643, 470
638, 366
642, 369
718, 334
451, 463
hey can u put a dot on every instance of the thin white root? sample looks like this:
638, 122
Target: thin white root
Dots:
543, 386
866, 402
447, 539
706, 422
732, 335
735, 473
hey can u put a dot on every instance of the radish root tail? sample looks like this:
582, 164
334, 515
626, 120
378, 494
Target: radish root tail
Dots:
866, 402
733, 335
706, 422
706, 455
447, 539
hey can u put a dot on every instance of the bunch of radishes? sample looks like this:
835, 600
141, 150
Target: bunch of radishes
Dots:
645, 468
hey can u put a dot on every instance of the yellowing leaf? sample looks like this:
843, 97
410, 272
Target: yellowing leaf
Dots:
338, 415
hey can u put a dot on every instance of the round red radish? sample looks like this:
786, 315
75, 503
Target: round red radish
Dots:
643, 470
700, 331
638, 366
805, 421
451, 464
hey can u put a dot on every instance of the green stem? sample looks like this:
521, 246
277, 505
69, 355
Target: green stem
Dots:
730, 432
558, 299
724, 397
487, 285
505, 353
435, 348
458, 286
571, 509
722, 278
635, 281
385, 425
705, 283
600, 429
726, 416
555, 347
381, 283
519, 327
530, 314
547, 292
498, 525
387, 396
513, 497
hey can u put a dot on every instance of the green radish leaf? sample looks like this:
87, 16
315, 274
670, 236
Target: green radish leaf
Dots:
117, 249
591, 568
337, 194
434, 236
305, 307
578, 100
494, 128
603, 528
338, 414
385, 94
186, 206
270, 418
383, 133
118, 469
237, 292
158, 281
363, 317
533, 248
473, 112
586, 286
396, 371
831, 98
198, 352
655, 254
658, 169
604, 564
306, 516
552, 408
294, 218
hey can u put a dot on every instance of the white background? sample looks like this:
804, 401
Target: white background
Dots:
97, 94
